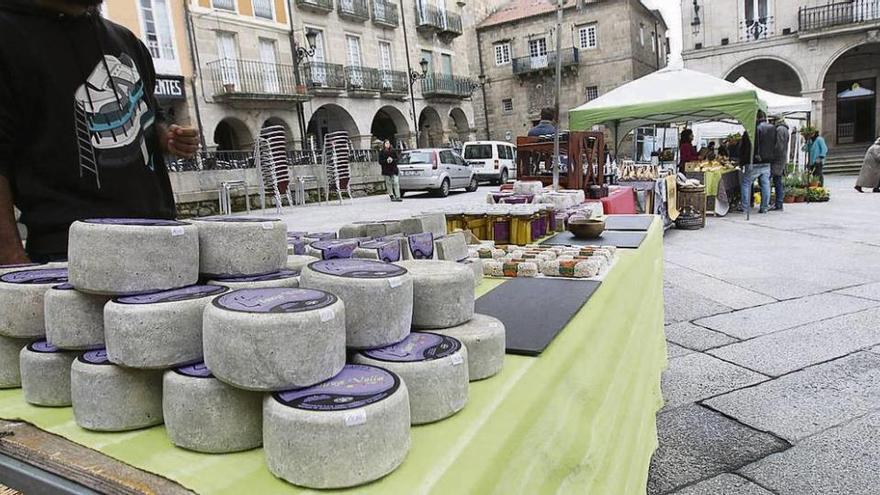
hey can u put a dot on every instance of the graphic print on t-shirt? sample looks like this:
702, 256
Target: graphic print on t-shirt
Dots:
112, 117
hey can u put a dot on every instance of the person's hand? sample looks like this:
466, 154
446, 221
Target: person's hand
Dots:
182, 142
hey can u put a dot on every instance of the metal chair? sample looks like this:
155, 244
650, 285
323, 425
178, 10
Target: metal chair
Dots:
226, 188
270, 155
337, 157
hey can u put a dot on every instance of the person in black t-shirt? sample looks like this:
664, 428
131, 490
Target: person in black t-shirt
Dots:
81, 135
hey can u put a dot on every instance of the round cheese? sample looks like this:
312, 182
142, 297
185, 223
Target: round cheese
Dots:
274, 339
484, 338
20, 266
45, 374
160, 330
434, 368
22, 296
74, 319
443, 293
347, 431
116, 256
298, 261
206, 415
10, 371
232, 245
107, 397
332, 249
378, 298
283, 278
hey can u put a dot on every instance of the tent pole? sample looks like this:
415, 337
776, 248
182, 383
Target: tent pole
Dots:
616, 138
558, 90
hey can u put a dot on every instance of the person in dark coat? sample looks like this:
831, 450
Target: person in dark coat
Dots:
780, 160
547, 125
388, 158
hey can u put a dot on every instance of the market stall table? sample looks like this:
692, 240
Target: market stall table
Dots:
578, 419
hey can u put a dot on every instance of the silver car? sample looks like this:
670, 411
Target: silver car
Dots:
435, 169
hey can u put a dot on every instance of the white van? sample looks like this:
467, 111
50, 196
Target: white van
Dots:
491, 160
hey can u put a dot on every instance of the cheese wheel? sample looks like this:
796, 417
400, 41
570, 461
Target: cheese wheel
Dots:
452, 247
160, 330
22, 301
10, 371
352, 230
45, 374
378, 298
380, 229
297, 261
476, 267
347, 431
419, 246
484, 338
107, 397
434, 368
297, 245
382, 250
283, 278
206, 415
274, 339
232, 245
20, 266
74, 320
117, 256
333, 249
434, 223
443, 293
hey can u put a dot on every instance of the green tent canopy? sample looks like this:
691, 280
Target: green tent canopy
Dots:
670, 95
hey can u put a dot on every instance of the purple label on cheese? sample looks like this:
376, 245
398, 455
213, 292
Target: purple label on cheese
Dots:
279, 275
298, 245
234, 219
422, 246
335, 249
296, 235
274, 300
418, 346
43, 346
19, 265
197, 370
357, 268
141, 222
65, 286
38, 276
174, 295
355, 386
98, 356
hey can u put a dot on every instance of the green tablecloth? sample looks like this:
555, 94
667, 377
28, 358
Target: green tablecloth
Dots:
712, 178
578, 419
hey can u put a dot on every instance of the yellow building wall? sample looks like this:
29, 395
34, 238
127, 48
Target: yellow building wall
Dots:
125, 12
280, 12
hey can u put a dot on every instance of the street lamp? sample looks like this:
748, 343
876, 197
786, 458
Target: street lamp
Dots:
416, 76
695, 24
303, 52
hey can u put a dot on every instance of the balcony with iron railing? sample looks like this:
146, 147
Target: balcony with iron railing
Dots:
756, 29
394, 83
385, 14
353, 10
443, 86
451, 24
319, 6
539, 63
362, 81
854, 14
324, 77
428, 18
242, 80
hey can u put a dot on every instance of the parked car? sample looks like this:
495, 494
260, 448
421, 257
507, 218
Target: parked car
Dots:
494, 161
435, 169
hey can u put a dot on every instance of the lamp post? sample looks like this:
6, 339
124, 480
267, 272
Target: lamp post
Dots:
303, 52
413, 78
556, 157
482, 84
299, 54
695, 24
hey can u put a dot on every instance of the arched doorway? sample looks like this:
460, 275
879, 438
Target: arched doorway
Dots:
330, 118
232, 134
458, 125
769, 74
390, 123
850, 112
430, 128
277, 121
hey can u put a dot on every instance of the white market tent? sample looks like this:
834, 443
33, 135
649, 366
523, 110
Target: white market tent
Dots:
777, 104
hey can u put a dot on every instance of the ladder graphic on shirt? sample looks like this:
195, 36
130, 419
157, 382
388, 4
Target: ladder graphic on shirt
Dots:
87, 160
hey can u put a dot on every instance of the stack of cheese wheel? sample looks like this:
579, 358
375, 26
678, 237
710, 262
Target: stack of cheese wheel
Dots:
107, 397
378, 298
282, 278
22, 301
206, 415
74, 319
235, 246
10, 371
349, 430
159, 330
274, 339
434, 368
485, 340
45, 374
123, 256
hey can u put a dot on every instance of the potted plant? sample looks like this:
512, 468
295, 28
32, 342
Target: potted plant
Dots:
800, 194
817, 195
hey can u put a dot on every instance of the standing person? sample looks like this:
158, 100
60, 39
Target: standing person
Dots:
547, 125
817, 150
869, 175
686, 150
388, 158
780, 160
81, 135
765, 150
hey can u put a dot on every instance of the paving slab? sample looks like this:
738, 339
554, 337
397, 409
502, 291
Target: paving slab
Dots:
867, 291
674, 350
752, 322
790, 350
696, 337
682, 304
807, 402
722, 292
841, 460
696, 444
696, 376
724, 484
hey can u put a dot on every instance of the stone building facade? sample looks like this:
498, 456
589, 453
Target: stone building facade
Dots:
827, 51
604, 44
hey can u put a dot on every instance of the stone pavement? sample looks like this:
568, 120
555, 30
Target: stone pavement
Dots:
773, 385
